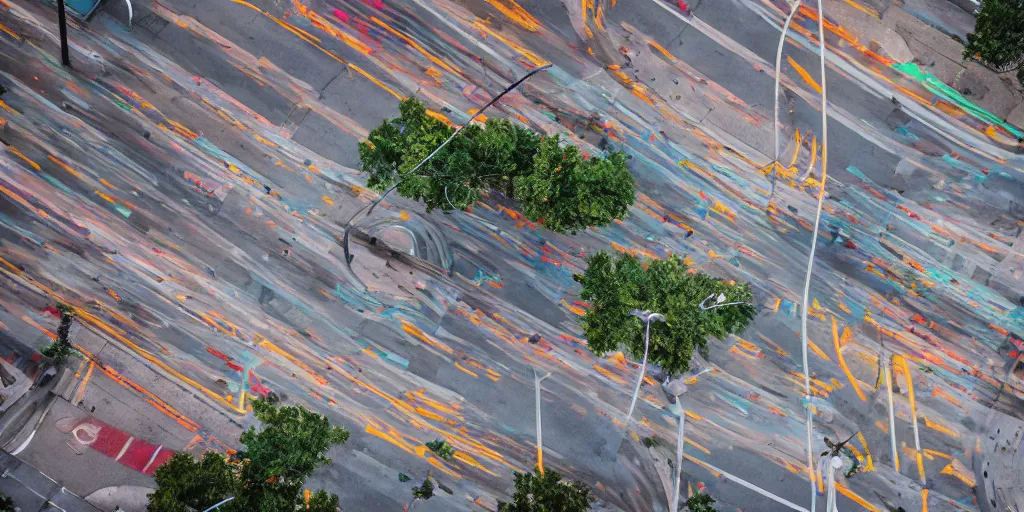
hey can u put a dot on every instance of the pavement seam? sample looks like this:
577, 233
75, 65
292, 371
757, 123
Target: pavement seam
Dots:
320, 94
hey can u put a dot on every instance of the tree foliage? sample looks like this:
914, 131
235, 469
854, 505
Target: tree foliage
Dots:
998, 37
700, 502
322, 501
185, 483
441, 448
567, 193
424, 491
60, 349
267, 476
561, 189
6, 503
547, 493
614, 287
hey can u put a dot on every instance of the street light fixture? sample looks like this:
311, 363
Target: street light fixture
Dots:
647, 317
719, 302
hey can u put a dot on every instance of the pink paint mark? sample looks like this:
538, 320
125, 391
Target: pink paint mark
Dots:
377, 4
118, 445
338, 13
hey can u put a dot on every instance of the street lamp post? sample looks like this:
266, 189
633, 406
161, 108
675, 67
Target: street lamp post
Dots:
647, 318
62, 22
540, 439
834, 463
680, 440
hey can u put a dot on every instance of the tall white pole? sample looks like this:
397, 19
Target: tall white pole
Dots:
643, 371
680, 439
834, 464
540, 438
892, 419
814, 246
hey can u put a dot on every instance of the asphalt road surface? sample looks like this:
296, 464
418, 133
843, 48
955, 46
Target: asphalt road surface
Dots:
186, 183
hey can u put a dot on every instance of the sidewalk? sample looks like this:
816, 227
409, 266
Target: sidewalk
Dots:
898, 30
31, 490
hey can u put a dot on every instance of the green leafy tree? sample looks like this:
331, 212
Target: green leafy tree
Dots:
554, 185
614, 287
441, 448
6, 503
267, 476
393, 150
535, 492
700, 502
60, 349
504, 151
424, 491
185, 483
287, 448
998, 37
567, 193
323, 501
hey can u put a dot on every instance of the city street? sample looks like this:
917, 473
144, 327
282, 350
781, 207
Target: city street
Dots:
186, 183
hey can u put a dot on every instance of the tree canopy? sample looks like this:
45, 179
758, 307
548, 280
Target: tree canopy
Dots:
614, 287
700, 502
998, 37
185, 483
555, 185
60, 349
267, 476
535, 492
6, 503
567, 192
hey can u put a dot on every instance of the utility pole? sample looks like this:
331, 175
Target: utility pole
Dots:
647, 317
680, 440
62, 21
540, 439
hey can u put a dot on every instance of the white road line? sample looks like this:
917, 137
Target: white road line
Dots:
124, 448
752, 487
892, 419
153, 458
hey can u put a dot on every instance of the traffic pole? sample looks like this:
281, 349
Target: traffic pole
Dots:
62, 21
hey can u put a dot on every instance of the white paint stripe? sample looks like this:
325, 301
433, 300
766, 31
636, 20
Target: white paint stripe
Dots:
892, 419
25, 444
124, 448
752, 487
153, 458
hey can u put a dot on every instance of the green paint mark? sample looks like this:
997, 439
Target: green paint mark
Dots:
950, 94
122, 105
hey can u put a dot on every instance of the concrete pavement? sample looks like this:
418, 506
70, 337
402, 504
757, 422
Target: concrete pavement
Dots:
32, 490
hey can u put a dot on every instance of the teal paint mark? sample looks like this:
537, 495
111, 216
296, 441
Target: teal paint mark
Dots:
936, 86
